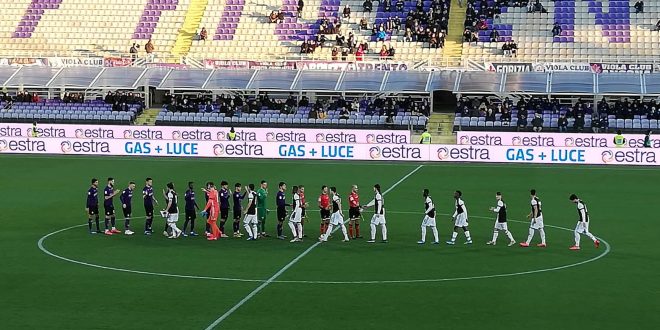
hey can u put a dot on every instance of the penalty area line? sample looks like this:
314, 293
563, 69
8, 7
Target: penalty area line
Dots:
289, 265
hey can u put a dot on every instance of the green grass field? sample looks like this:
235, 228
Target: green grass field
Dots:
335, 285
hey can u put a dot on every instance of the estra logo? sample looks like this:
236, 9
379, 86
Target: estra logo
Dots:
270, 137
397, 152
464, 140
374, 152
607, 156
221, 136
65, 146
390, 138
320, 137
569, 142
3, 145
443, 153
218, 149
516, 141
468, 153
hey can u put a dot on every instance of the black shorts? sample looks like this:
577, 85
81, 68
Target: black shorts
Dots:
191, 215
302, 215
94, 210
109, 210
354, 213
325, 214
237, 214
149, 210
224, 214
127, 211
281, 214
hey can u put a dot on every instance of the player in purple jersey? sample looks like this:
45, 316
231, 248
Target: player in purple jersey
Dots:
149, 200
109, 193
238, 209
92, 206
191, 210
126, 199
224, 195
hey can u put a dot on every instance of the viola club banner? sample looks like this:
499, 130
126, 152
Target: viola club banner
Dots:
308, 65
59, 62
621, 67
115, 132
562, 67
528, 139
331, 151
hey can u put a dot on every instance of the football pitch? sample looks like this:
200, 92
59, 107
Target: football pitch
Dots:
55, 275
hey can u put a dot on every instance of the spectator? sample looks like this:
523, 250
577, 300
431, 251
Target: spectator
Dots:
364, 24
209, 107
381, 35
506, 116
494, 36
639, 7
359, 54
347, 12
335, 53
522, 119
556, 29
304, 47
506, 49
203, 34
322, 114
657, 26
384, 52
340, 39
391, 52
149, 49
579, 122
368, 6
595, 124
513, 47
344, 54
490, 115
387, 5
313, 114
399, 5
420, 6
301, 5
562, 122
35, 98
344, 114
280, 17
407, 36
133, 51
273, 17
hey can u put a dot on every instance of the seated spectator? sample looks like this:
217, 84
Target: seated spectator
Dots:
344, 114
368, 6
482, 25
537, 123
562, 122
335, 53
490, 115
273, 17
391, 52
304, 47
364, 24
347, 12
304, 102
657, 26
595, 124
399, 5
639, 7
280, 17
387, 5
299, 10
209, 107
579, 122
340, 39
35, 98
556, 30
506, 116
506, 49
538, 7
384, 52
365, 46
494, 36
522, 119
381, 35
407, 36
359, 54
513, 47
397, 23
322, 114
203, 34
420, 6
313, 114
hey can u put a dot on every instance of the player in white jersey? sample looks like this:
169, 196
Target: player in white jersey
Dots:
337, 217
460, 219
500, 221
295, 220
536, 217
582, 226
378, 219
429, 219
250, 221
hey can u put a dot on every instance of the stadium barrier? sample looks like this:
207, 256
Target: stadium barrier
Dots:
529, 139
330, 151
114, 132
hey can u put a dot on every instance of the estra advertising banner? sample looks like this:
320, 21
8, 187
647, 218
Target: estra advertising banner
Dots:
528, 139
331, 151
114, 132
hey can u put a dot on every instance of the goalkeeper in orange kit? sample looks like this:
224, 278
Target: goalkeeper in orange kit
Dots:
213, 209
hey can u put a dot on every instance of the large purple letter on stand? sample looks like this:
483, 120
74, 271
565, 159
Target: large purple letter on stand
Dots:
32, 17
614, 23
231, 16
150, 17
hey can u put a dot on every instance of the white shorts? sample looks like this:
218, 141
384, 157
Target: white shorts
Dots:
537, 223
296, 216
250, 219
582, 227
501, 226
173, 217
336, 219
461, 220
378, 219
428, 221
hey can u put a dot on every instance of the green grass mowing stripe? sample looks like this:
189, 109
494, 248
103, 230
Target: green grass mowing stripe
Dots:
287, 266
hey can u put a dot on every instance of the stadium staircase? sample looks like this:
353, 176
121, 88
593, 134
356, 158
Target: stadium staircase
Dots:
441, 127
147, 118
190, 26
454, 39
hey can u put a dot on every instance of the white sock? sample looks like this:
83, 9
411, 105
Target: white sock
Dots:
255, 231
174, 228
435, 234
248, 229
495, 233
577, 238
293, 229
373, 232
509, 235
453, 236
542, 232
328, 231
593, 238
300, 230
384, 229
531, 235
423, 233
343, 230
467, 235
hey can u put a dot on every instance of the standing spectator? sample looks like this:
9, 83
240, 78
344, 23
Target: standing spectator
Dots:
203, 34
562, 122
639, 7
647, 139
347, 12
301, 5
133, 51
149, 49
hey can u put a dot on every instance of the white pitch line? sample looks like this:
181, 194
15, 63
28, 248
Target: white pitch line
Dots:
287, 266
